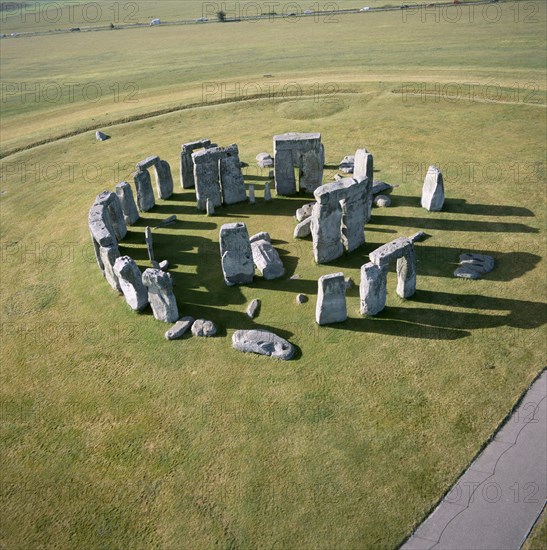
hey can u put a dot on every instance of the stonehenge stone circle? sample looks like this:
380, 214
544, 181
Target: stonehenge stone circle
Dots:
127, 201
331, 299
160, 295
262, 342
236, 254
267, 260
186, 163
179, 328
130, 279
145, 194
373, 288
302, 151
433, 190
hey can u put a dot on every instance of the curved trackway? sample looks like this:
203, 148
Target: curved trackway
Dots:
495, 504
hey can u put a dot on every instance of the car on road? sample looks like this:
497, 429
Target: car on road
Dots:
365, 9
202, 20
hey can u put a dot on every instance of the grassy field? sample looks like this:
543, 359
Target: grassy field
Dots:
113, 437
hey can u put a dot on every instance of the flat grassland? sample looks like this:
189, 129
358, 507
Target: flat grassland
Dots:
113, 437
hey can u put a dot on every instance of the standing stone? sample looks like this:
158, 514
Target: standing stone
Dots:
113, 209
303, 229
129, 208
236, 254
364, 168
231, 176
331, 299
130, 279
267, 260
354, 208
109, 255
285, 180
160, 295
101, 230
207, 178
149, 244
433, 190
406, 274
262, 235
326, 227
145, 195
164, 179
372, 289
148, 162
311, 172
252, 199
187, 164
267, 192
210, 209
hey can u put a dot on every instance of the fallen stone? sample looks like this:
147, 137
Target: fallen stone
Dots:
267, 260
331, 299
160, 295
347, 164
479, 262
419, 236
100, 136
262, 236
130, 279
433, 190
406, 274
253, 308
267, 192
382, 187
202, 327
164, 266
466, 272
303, 229
262, 342
304, 212
166, 221
382, 201
301, 298
264, 160
179, 328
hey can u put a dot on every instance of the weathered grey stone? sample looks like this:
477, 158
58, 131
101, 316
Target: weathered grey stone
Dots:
364, 168
252, 198
209, 208
301, 298
391, 251
262, 342
295, 277
149, 243
347, 164
418, 236
129, 208
267, 260
263, 235
186, 163
207, 177
145, 194
304, 211
179, 328
433, 190
382, 201
349, 283
262, 156
382, 187
372, 290
130, 281
236, 254
231, 176
113, 210
101, 230
406, 274
481, 263
164, 265
166, 221
202, 327
109, 255
311, 171
285, 180
331, 299
160, 295
303, 229
466, 272
164, 179
148, 162
264, 160
253, 308
100, 136
267, 192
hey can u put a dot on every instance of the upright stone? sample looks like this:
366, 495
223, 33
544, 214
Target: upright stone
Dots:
373, 288
326, 225
231, 176
187, 164
311, 171
267, 192
252, 198
145, 195
160, 295
236, 254
164, 179
354, 208
113, 209
148, 162
433, 190
331, 299
267, 260
149, 244
285, 180
129, 208
101, 230
364, 168
109, 255
130, 279
406, 274
206, 178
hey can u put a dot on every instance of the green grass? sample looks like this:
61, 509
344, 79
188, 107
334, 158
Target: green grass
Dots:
114, 438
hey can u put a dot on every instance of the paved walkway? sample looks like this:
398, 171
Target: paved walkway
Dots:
496, 501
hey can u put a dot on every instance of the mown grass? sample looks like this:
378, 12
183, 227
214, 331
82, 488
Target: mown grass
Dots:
114, 438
